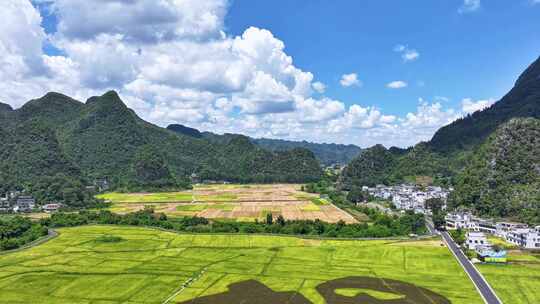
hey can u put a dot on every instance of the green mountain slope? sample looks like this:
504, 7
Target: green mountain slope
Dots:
102, 138
522, 101
503, 177
374, 166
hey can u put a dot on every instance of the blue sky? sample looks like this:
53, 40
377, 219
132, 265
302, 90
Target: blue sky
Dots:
477, 54
361, 72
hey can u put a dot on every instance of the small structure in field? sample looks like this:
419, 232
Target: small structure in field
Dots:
487, 254
50, 208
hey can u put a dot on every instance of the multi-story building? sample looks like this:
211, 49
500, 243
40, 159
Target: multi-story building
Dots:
24, 203
460, 220
527, 238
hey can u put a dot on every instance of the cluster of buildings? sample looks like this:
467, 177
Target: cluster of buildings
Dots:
516, 233
408, 197
17, 202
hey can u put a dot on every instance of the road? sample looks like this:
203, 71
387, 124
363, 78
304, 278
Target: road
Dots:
481, 284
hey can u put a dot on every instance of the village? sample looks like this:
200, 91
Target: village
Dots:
478, 230
18, 202
409, 197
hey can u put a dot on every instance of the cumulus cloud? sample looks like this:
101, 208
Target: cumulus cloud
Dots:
407, 54
469, 6
469, 106
172, 62
398, 84
142, 21
319, 87
351, 79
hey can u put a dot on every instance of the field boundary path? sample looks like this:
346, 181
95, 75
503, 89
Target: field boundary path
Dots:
483, 287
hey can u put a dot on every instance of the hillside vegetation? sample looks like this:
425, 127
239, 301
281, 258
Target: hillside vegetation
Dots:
493, 172
502, 178
58, 136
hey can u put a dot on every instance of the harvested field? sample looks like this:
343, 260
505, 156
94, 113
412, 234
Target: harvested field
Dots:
134, 265
240, 202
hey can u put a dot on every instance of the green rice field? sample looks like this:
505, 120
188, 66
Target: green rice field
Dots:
517, 282
133, 265
164, 197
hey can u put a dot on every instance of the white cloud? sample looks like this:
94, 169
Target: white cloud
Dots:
398, 84
319, 87
351, 79
469, 6
407, 54
141, 21
470, 106
172, 62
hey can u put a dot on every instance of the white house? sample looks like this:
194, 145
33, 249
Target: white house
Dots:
476, 239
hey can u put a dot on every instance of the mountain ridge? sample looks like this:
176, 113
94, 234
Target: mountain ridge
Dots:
327, 153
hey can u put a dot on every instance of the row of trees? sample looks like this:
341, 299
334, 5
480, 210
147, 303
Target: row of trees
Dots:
382, 226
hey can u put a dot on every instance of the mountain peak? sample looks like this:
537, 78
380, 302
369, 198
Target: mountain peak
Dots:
178, 128
531, 74
4, 107
111, 94
109, 99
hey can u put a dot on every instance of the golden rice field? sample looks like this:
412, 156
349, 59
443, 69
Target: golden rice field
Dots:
241, 202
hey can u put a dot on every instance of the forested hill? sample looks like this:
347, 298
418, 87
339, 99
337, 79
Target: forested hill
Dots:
502, 178
327, 154
102, 138
452, 146
522, 101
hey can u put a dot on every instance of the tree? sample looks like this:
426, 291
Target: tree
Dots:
356, 195
436, 205
269, 219
280, 220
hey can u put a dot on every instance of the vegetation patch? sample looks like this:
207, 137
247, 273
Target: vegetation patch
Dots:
158, 197
109, 239
310, 207
319, 201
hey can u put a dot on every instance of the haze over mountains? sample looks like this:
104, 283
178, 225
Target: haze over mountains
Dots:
327, 154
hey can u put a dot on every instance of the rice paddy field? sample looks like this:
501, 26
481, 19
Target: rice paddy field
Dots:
133, 265
240, 202
517, 282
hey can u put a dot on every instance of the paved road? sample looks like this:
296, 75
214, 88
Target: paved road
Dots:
481, 285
